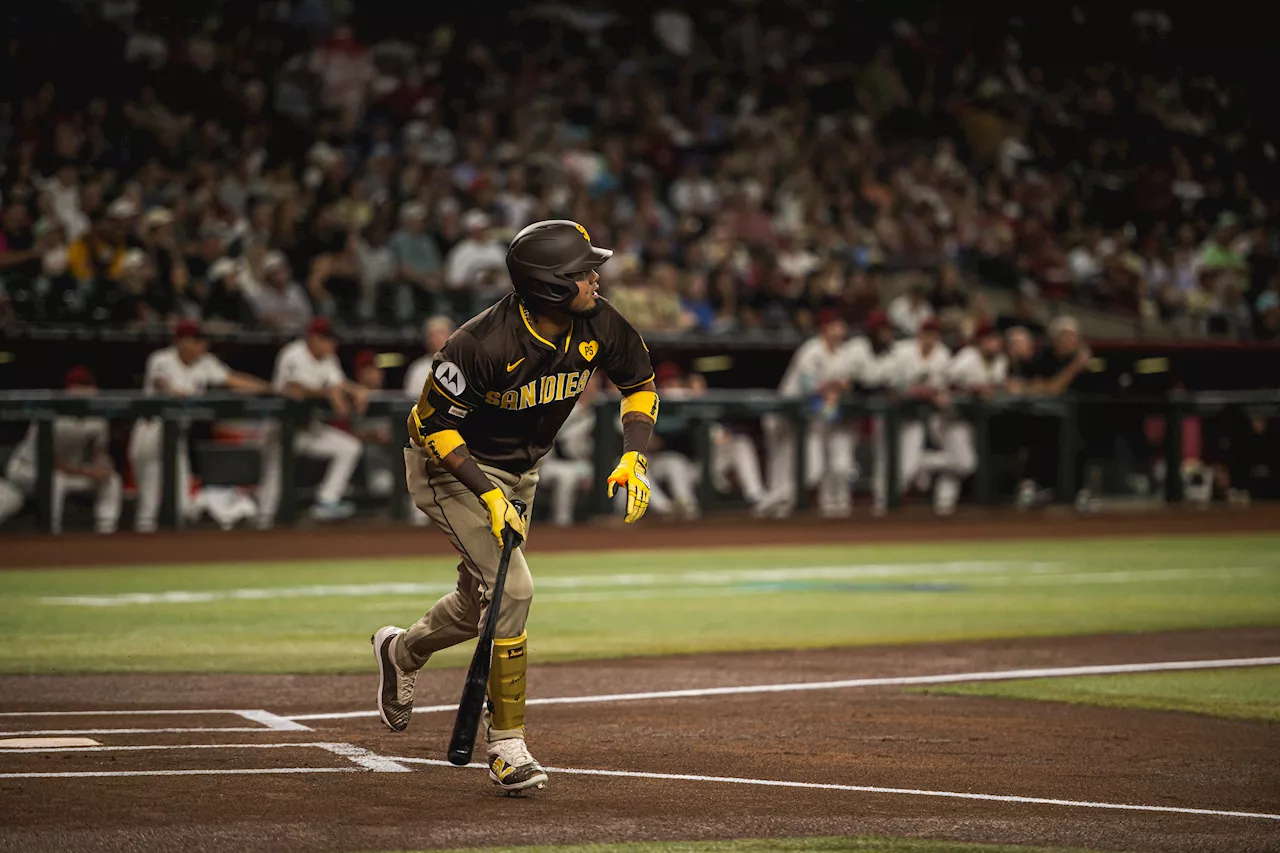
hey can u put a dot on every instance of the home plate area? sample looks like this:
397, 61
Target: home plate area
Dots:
824, 742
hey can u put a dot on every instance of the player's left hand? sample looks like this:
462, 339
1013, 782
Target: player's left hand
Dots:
632, 472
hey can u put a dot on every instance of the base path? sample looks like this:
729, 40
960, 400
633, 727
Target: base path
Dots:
350, 792
372, 540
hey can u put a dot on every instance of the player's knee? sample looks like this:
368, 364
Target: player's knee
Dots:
350, 445
512, 616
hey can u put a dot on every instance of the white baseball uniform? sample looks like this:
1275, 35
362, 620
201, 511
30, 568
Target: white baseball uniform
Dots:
167, 374
967, 372
296, 364
904, 367
415, 376
564, 470
829, 444
76, 442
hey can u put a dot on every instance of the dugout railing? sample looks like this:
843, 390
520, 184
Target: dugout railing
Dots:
701, 413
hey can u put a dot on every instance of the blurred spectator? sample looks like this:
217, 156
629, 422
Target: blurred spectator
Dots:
96, 255
377, 263
1108, 176
1022, 315
418, 263
435, 332
909, 310
473, 256
225, 303
280, 303
333, 281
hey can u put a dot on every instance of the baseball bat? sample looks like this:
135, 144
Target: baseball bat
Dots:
476, 687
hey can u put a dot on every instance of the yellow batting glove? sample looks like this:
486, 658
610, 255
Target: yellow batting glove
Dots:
632, 472
502, 514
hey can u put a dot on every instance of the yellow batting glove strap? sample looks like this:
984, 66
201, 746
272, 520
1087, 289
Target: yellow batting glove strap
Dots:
501, 514
644, 402
441, 444
632, 472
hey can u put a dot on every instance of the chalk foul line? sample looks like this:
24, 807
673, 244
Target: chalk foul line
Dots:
898, 681
871, 789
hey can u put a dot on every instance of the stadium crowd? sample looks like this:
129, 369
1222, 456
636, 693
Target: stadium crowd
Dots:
264, 164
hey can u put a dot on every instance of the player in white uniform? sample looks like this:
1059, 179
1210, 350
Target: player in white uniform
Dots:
308, 368
185, 369
917, 368
80, 464
979, 369
566, 470
435, 331
820, 372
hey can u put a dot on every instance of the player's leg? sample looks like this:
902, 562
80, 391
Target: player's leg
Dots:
183, 473
960, 461
910, 452
838, 477
106, 507
144, 456
11, 500
269, 483
560, 476
780, 450
680, 476
511, 767
745, 465
64, 484
342, 449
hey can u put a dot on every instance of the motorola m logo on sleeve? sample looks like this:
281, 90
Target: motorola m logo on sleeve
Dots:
450, 378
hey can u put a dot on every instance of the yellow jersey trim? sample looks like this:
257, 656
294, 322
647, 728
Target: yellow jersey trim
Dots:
445, 394
524, 315
637, 385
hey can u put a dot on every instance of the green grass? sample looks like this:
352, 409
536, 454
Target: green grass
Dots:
784, 845
1252, 693
643, 603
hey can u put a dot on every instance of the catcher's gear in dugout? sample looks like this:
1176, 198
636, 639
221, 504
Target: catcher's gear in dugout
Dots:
632, 472
546, 259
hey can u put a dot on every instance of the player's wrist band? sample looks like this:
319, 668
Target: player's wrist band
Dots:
441, 444
644, 402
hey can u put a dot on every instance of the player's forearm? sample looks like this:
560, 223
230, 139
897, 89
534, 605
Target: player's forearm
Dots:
639, 415
463, 466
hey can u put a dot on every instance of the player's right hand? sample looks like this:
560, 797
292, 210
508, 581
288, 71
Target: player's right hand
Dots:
502, 514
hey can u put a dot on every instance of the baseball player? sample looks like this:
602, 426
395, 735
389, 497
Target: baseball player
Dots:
309, 368
502, 387
80, 464
185, 369
820, 373
566, 469
979, 369
916, 368
435, 331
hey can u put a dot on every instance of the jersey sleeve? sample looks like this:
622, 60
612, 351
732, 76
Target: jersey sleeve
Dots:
626, 358
333, 375
214, 370
285, 370
457, 384
960, 369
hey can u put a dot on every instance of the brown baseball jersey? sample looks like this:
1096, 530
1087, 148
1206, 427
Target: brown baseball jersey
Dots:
508, 390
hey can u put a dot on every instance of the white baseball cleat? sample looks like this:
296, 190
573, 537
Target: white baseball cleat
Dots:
395, 685
512, 768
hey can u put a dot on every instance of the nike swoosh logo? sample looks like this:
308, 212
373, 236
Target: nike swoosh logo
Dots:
513, 365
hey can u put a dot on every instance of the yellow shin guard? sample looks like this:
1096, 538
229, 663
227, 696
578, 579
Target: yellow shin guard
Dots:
507, 682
